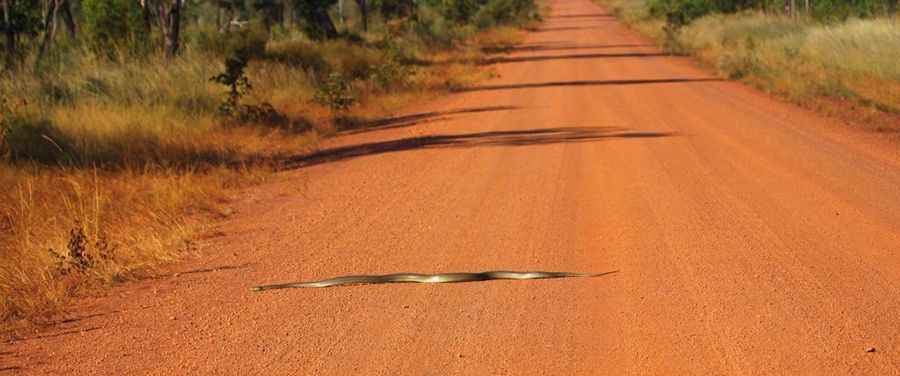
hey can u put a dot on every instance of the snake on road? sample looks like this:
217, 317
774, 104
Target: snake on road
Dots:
426, 278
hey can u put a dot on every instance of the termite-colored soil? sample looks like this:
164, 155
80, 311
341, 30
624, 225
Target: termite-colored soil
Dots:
750, 236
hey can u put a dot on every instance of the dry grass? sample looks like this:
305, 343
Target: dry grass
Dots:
809, 62
856, 60
105, 166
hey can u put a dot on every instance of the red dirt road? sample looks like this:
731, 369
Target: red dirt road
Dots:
751, 237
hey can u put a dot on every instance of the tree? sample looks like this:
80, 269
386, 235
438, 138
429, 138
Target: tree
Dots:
112, 23
316, 22
18, 18
364, 13
168, 14
271, 12
395, 8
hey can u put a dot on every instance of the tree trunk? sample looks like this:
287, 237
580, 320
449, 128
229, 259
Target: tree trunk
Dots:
10, 37
326, 25
69, 18
364, 13
50, 22
892, 7
169, 14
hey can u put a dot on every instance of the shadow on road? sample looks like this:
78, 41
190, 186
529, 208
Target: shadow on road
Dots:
588, 83
527, 137
349, 126
59, 334
560, 47
562, 28
522, 59
586, 15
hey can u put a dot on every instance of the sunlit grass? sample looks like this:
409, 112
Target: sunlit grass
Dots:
801, 59
133, 155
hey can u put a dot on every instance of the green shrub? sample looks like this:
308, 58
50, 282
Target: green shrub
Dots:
113, 23
352, 61
502, 12
335, 92
391, 74
316, 22
235, 80
436, 31
18, 18
251, 40
460, 11
299, 53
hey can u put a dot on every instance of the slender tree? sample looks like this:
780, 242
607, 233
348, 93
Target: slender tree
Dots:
9, 33
364, 13
168, 14
50, 23
18, 18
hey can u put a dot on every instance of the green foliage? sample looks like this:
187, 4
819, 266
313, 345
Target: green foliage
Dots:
460, 11
394, 8
434, 30
682, 12
314, 14
112, 23
336, 92
840, 10
24, 17
501, 12
299, 53
250, 40
392, 73
235, 80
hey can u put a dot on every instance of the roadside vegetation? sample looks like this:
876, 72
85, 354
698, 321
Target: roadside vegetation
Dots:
125, 121
820, 53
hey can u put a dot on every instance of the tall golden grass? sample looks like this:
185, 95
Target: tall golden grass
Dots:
110, 167
804, 60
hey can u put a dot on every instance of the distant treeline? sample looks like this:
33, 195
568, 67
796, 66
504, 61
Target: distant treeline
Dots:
684, 11
33, 26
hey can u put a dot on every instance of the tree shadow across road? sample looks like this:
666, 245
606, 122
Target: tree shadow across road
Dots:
583, 15
538, 85
350, 125
559, 47
522, 59
511, 138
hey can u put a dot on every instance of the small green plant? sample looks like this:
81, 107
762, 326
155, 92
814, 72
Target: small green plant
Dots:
235, 79
335, 92
393, 72
238, 84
